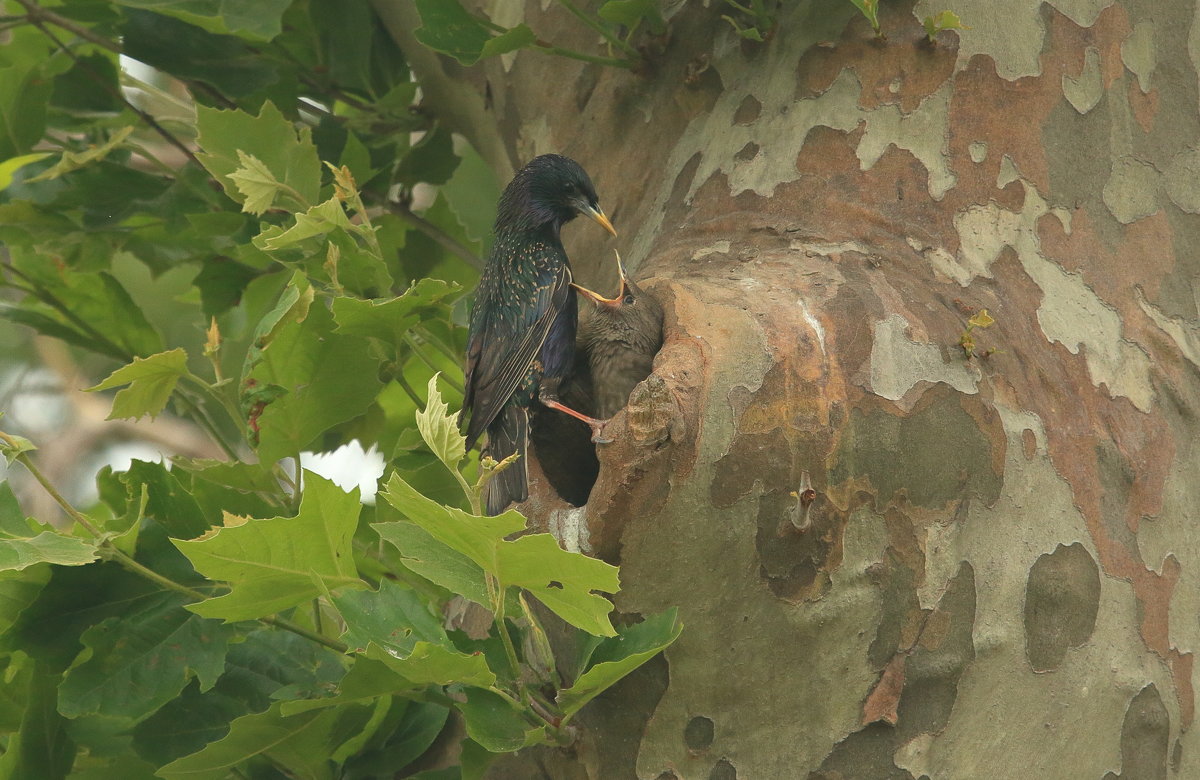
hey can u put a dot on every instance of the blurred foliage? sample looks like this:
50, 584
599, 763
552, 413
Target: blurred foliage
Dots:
241, 214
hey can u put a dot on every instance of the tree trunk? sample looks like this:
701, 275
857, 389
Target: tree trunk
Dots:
894, 555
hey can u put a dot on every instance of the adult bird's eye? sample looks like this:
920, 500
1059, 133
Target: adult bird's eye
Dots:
628, 299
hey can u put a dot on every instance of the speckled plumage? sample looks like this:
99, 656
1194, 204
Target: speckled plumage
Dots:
521, 343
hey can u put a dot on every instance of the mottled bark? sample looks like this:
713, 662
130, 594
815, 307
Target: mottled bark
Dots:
1000, 574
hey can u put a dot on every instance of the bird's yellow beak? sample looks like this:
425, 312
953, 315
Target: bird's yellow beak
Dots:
596, 213
599, 299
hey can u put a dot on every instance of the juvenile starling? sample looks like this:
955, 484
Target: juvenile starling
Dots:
521, 342
620, 336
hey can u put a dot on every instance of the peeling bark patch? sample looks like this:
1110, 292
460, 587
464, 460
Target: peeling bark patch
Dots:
936, 454
1062, 597
698, 734
863, 754
747, 111
1145, 737
747, 152
1028, 443
944, 649
723, 770
797, 565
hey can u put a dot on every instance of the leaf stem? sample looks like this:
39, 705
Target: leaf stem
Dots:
498, 619
546, 48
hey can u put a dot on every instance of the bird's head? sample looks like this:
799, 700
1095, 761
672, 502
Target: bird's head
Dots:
549, 190
631, 315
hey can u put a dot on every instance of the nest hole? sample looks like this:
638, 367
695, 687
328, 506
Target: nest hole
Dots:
563, 448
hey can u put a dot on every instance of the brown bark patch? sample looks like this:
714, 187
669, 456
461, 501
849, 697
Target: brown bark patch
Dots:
747, 111
1144, 105
885, 697
901, 71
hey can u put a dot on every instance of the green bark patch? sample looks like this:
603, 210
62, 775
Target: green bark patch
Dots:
936, 454
1061, 601
1144, 737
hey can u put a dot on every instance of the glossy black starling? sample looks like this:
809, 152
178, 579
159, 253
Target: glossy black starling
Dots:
521, 344
620, 337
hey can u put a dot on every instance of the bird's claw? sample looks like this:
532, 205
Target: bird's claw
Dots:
598, 436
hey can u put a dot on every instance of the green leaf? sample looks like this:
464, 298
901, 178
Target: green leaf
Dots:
91, 86
439, 429
300, 744
168, 501
494, 723
393, 617
288, 155
11, 166
18, 553
514, 38
261, 20
448, 28
73, 161
317, 221
41, 749
74, 599
561, 580
945, 20
151, 381
417, 726
256, 183
187, 52
366, 679
630, 13
18, 590
280, 562
436, 562
25, 90
267, 662
328, 377
389, 320
618, 656
432, 161
432, 664
136, 663
869, 9
472, 194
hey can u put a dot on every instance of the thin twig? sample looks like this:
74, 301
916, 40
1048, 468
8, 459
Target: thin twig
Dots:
448, 242
38, 14
416, 349
145, 116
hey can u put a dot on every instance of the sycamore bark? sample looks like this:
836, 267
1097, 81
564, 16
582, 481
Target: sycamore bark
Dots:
1000, 572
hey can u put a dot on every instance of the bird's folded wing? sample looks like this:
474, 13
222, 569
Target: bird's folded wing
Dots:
500, 364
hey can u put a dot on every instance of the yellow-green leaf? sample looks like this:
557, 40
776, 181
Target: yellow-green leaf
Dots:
439, 430
151, 381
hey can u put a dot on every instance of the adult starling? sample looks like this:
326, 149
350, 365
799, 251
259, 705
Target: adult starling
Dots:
521, 342
620, 336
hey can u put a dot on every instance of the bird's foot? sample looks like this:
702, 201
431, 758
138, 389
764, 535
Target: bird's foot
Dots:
598, 436
597, 426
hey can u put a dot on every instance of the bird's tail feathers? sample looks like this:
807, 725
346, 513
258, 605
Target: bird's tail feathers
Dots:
508, 434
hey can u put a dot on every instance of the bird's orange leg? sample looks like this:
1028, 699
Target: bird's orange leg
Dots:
597, 426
